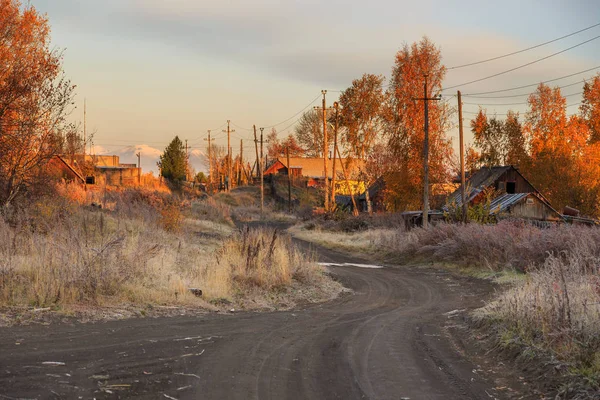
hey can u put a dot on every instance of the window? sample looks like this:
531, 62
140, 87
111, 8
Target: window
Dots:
511, 187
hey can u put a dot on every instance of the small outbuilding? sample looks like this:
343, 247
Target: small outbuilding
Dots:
513, 196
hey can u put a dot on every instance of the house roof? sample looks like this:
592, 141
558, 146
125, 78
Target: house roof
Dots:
71, 168
503, 202
314, 167
479, 181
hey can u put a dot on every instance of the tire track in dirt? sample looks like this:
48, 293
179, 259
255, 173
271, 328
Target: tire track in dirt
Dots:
385, 341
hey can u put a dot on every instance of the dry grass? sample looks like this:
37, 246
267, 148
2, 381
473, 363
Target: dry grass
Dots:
507, 245
552, 312
59, 254
368, 241
555, 312
260, 261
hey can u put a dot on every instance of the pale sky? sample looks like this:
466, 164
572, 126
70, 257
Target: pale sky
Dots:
151, 69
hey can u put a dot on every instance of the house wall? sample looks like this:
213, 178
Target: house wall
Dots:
534, 209
118, 176
521, 185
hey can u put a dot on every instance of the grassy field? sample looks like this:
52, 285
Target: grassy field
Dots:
148, 248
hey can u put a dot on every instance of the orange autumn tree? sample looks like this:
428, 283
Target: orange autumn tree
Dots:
403, 124
590, 107
34, 100
561, 152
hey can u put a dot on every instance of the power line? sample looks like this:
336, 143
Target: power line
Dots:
504, 114
526, 86
522, 66
240, 127
295, 115
524, 50
515, 104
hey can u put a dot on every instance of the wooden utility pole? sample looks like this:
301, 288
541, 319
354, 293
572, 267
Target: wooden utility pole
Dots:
210, 169
289, 168
463, 193
325, 150
187, 162
335, 148
426, 155
262, 178
139, 156
241, 165
229, 132
256, 148
84, 128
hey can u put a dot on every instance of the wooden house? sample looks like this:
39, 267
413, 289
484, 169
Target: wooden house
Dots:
313, 169
511, 194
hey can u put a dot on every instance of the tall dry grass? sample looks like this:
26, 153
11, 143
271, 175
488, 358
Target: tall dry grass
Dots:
143, 251
507, 245
556, 311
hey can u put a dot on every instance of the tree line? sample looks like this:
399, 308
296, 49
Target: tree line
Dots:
382, 124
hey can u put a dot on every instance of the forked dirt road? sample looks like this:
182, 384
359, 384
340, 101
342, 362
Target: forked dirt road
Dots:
386, 341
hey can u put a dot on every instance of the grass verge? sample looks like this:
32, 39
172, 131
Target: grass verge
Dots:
148, 251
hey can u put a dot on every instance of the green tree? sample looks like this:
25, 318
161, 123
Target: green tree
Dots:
173, 161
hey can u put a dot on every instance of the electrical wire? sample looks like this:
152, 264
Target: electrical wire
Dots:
242, 128
521, 66
522, 51
514, 104
295, 115
504, 114
526, 86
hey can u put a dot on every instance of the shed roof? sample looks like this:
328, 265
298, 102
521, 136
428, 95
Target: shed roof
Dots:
479, 181
503, 202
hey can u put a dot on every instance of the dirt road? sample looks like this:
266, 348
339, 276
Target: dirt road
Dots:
385, 341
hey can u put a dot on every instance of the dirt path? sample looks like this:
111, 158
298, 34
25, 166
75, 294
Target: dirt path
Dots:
386, 341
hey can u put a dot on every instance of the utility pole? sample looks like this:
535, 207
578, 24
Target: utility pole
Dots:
289, 168
241, 162
84, 128
336, 106
139, 156
256, 149
262, 178
229, 132
187, 162
325, 148
210, 169
463, 194
426, 155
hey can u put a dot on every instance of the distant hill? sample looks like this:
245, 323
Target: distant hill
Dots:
151, 155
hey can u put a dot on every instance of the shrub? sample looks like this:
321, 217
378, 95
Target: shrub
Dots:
263, 258
508, 244
557, 310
